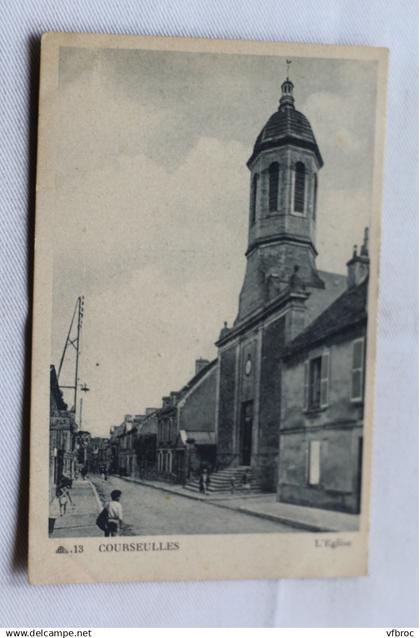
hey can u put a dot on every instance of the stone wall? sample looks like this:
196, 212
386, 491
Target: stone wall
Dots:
339, 482
275, 261
338, 428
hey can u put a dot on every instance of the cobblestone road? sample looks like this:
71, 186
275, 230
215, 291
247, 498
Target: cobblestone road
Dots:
149, 511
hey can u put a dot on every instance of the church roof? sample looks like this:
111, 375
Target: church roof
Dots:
348, 310
321, 298
196, 378
286, 126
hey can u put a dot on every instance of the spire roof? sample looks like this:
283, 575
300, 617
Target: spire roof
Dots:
286, 126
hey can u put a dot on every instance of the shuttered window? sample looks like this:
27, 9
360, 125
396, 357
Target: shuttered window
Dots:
325, 368
316, 382
357, 370
306, 386
273, 187
299, 194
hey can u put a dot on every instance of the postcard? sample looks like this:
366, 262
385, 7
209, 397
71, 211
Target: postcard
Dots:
205, 298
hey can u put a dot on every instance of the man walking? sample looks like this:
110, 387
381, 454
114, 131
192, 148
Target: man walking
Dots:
115, 514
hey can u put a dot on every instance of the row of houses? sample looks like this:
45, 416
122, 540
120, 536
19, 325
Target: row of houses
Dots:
172, 442
62, 437
70, 448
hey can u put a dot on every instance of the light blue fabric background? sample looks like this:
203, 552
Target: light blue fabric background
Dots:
388, 597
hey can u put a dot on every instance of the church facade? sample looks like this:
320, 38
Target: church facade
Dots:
283, 292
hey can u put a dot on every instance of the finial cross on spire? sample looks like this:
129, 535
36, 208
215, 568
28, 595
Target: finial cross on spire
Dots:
288, 63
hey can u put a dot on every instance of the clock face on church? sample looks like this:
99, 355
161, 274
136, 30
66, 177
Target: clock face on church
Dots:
248, 367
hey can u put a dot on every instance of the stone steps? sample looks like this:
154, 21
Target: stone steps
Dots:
221, 482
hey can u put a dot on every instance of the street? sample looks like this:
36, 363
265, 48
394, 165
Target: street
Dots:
149, 511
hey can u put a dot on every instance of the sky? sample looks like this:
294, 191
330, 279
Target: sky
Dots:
152, 197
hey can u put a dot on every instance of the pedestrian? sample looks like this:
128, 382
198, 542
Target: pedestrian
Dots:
63, 494
246, 481
84, 472
115, 514
204, 481
105, 474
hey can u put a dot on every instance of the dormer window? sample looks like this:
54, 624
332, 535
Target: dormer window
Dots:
299, 194
273, 187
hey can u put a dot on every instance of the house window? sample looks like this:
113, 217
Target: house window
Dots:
357, 370
273, 187
254, 190
316, 382
314, 463
315, 195
299, 194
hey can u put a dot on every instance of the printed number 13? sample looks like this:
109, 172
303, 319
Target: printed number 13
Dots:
78, 549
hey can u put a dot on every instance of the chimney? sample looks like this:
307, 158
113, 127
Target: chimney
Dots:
358, 266
174, 397
200, 364
150, 411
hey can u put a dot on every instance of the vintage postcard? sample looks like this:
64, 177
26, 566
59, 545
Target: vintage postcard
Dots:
206, 283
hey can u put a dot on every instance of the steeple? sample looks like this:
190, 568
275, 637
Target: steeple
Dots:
287, 101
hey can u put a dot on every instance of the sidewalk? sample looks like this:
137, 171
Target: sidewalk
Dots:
80, 518
174, 488
311, 519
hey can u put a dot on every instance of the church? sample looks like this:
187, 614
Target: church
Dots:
282, 404
282, 293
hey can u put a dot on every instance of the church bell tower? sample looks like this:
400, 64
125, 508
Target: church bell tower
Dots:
284, 168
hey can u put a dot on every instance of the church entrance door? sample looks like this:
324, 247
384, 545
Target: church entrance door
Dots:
245, 439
